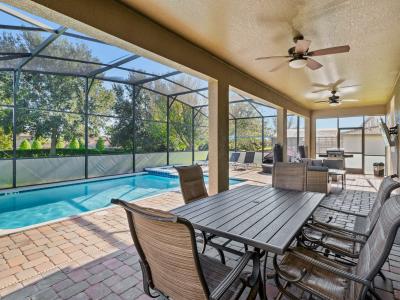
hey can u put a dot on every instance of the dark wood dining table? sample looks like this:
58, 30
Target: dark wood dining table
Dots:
266, 218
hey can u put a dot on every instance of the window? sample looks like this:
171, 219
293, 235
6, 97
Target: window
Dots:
326, 135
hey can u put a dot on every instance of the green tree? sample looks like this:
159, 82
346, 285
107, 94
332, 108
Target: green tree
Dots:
5, 140
25, 145
40, 92
36, 145
100, 144
74, 144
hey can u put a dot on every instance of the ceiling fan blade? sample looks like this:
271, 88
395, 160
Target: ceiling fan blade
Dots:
337, 83
350, 100
313, 64
321, 90
332, 50
320, 85
281, 65
348, 86
302, 46
322, 101
271, 57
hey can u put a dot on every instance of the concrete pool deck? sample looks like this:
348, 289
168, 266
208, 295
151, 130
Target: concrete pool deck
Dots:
93, 257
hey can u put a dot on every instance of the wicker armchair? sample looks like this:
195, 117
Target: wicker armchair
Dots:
171, 265
327, 278
318, 180
348, 242
289, 176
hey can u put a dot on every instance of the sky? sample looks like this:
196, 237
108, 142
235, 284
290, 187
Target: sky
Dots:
109, 54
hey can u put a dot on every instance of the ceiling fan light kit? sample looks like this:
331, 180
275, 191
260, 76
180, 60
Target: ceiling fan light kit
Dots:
297, 63
299, 56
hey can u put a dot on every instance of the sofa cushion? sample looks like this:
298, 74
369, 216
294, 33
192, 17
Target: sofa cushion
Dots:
318, 168
317, 162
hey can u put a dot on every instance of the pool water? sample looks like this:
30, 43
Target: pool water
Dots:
42, 205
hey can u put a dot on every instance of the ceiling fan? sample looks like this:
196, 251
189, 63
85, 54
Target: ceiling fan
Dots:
336, 86
299, 56
334, 100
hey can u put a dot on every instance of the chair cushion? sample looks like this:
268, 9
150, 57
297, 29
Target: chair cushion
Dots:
316, 280
214, 272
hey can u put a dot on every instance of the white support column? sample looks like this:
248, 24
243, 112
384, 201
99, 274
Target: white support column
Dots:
313, 141
281, 130
307, 135
218, 97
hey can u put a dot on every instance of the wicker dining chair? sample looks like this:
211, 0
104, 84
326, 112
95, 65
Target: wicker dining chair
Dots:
171, 265
326, 278
344, 241
289, 176
192, 183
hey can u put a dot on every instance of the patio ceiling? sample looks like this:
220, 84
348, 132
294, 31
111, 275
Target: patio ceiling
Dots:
240, 31
106, 62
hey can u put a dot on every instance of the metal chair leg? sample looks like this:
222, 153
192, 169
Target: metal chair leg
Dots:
380, 273
222, 256
203, 249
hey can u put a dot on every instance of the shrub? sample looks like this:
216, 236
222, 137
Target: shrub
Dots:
74, 144
60, 144
81, 144
25, 145
36, 145
100, 144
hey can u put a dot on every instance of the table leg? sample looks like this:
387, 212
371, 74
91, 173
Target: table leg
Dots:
264, 277
342, 182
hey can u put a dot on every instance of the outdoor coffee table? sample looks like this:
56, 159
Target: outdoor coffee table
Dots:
265, 218
341, 173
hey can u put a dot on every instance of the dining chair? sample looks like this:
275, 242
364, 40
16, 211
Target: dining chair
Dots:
327, 278
172, 266
289, 176
193, 188
344, 241
191, 179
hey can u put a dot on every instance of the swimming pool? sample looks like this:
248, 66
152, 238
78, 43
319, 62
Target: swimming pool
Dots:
35, 206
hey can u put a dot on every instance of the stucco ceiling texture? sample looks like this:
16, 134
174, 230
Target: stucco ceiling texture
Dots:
239, 31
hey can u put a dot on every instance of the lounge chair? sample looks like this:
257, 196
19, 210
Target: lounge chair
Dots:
233, 160
172, 266
203, 162
349, 242
289, 176
326, 278
247, 161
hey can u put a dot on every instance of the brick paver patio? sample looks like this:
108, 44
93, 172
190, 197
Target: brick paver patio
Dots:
92, 256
